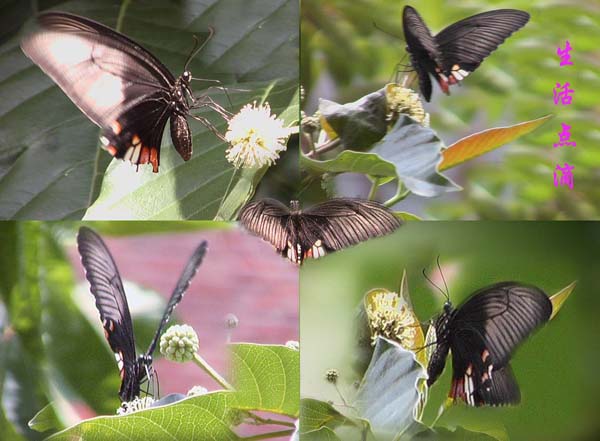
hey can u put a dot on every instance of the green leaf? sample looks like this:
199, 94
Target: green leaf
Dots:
51, 165
388, 392
350, 161
266, 377
460, 434
206, 417
322, 434
315, 414
359, 124
45, 419
415, 152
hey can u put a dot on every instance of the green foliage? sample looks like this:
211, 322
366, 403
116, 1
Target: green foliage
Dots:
473, 255
515, 83
51, 164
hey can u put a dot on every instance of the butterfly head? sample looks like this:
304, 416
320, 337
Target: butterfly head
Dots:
186, 77
295, 206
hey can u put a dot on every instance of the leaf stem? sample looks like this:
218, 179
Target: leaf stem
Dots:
374, 188
210, 371
121, 16
330, 145
261, 420
401, 195
268, 435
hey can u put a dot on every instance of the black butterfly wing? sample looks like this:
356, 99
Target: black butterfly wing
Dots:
483, 335
182, 285
268, 219
466, 43
421, 47
342, 222
116, 83
111, 302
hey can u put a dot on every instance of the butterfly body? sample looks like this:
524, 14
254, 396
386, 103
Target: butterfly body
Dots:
111, 302
116, 83
313, 233
455, 52
481, 336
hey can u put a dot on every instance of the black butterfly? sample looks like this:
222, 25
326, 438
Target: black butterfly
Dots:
111, 302
312, 233
482, 335
119, 85
460, 48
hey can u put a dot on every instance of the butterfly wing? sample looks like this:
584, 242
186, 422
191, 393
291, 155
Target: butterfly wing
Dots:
421, 47
484, 333
111, 302
342, 222
268, 219
182, 285
465, 44
116, 83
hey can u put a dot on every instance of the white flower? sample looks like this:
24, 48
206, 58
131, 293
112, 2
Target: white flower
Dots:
135, 405
255, 136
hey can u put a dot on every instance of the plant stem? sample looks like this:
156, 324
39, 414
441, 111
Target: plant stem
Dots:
374, 188
397, 198
324, 147
261, 420
269, 435
210, 371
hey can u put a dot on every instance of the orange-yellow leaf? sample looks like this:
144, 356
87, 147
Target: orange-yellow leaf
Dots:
559, 298
482, 142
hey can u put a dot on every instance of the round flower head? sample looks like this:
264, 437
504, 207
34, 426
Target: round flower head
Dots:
402, 100
179, 343
332, 375
255, 136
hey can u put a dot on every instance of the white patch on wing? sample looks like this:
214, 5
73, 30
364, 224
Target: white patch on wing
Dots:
106, 91
68, 50
119, 358
318, 250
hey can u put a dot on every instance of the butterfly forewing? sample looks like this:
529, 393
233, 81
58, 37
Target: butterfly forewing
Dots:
111, 302
116, 83
267, 218
182, 285
468, 42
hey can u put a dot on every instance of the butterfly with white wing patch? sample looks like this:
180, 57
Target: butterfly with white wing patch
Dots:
119, 86
313, 233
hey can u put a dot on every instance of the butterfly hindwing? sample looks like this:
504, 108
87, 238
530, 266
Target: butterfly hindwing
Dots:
484, 332
182, 285
116, 83
268, 219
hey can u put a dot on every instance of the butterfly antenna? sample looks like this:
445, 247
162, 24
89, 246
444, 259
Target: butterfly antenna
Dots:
443, 278
198, 47
379, 28
434, 285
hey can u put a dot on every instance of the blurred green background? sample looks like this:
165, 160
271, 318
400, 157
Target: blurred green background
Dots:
343, 57
556, 368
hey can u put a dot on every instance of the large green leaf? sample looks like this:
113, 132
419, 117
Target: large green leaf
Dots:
315, 414
388, 393
206, 417
51, 166
266, 378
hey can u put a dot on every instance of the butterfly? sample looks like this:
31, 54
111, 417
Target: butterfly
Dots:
459, 49
111, 302
481, 335
118, 85
312, 233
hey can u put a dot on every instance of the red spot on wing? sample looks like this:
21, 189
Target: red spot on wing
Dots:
112, 150
457, 389
154, 159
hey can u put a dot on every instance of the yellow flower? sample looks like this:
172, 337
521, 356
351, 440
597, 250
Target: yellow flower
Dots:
255, 136
403, 100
